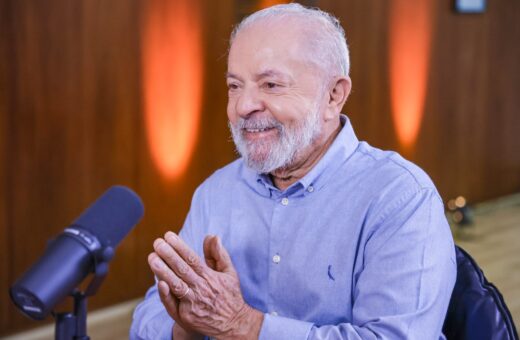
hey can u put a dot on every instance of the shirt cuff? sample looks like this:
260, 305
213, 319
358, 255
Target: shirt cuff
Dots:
151, 323
277, 327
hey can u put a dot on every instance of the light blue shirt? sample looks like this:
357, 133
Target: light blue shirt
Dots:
357, 249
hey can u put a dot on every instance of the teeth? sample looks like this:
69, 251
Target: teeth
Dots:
256, 130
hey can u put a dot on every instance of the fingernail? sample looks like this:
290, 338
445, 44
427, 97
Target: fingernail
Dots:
163, 246
170, 236
157, 242
158, 264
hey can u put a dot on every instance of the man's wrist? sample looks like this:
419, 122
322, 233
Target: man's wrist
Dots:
248, 324
179, 333
256, 319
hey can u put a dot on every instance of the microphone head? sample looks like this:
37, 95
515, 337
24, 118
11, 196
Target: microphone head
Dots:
111, 217
70, 257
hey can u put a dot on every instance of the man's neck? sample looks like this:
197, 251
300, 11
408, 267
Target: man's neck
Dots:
284, 178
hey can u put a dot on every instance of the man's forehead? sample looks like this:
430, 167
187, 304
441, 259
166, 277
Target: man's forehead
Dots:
264, 73
279, 48
254, 43
280, 23
284, 34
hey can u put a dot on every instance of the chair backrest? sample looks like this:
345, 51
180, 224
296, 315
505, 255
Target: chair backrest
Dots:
477, 309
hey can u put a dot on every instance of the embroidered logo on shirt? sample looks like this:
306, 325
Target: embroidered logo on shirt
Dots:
329, 272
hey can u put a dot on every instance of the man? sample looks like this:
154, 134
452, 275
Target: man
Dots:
311, 234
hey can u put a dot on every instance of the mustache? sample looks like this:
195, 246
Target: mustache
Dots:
258, 123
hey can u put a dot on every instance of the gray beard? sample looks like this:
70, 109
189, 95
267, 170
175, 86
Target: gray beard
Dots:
268, 156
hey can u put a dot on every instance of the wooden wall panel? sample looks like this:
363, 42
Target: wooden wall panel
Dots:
76, 98
74, 126
368, 106
72, 123
468, 140
472, 99
456, 123
214, 147
4, 232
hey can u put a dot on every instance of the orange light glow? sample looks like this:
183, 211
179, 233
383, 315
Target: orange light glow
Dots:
172, 80
410, 42
269, 3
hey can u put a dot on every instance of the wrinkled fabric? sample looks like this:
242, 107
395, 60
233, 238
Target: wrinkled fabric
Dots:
357, 249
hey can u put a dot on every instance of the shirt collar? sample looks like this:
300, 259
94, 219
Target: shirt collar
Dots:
340, 150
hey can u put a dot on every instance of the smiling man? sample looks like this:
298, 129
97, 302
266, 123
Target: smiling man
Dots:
311, 234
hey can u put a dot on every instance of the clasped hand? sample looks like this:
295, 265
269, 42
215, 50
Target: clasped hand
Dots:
202, 297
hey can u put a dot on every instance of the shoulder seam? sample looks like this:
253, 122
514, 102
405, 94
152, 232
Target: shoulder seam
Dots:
389, 159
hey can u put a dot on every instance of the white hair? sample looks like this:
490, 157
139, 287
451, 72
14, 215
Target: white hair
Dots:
330, 50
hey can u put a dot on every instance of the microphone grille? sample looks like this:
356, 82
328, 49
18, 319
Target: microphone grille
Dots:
111, 217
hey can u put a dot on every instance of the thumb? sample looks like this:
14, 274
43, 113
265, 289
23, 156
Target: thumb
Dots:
208, 254
216, 256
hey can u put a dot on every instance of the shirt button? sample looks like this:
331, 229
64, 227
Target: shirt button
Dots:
273, 313
310, 188
285, 201
277, 259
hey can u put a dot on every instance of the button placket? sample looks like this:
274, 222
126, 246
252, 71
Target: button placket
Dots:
279, 218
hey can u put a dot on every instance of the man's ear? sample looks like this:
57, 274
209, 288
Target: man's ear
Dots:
338, 94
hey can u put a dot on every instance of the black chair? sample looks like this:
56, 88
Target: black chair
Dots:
477, 309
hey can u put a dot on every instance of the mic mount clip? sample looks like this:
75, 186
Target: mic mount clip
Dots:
73, 325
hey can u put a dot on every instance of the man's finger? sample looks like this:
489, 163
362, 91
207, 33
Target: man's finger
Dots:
214, 250
208, 257
180, 267
169, 302
177, 286
187, 254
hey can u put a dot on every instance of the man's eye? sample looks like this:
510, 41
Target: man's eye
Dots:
271, 85
232, 86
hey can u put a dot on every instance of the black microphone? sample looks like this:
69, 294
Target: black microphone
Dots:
90, 240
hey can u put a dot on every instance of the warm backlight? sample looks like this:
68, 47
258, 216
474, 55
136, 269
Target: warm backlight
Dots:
410, 42
269, 3
172, 81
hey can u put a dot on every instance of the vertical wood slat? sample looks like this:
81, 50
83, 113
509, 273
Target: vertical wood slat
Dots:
4, 244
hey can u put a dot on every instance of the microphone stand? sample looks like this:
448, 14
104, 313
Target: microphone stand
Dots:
73, 326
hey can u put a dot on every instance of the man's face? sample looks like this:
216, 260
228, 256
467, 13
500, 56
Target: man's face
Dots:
275, 96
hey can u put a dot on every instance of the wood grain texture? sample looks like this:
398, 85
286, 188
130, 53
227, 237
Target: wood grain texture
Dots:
4, 231
467, 141
75, 106
72, 117
72, 123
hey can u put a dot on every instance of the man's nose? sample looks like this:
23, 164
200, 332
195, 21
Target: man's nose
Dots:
249, 102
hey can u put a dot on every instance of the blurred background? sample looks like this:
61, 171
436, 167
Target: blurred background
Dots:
95, 93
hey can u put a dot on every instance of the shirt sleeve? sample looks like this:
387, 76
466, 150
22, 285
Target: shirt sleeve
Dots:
150, 319
280, 328
404, 287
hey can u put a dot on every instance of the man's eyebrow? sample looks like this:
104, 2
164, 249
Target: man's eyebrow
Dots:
232, 75
273, 73
263, 74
